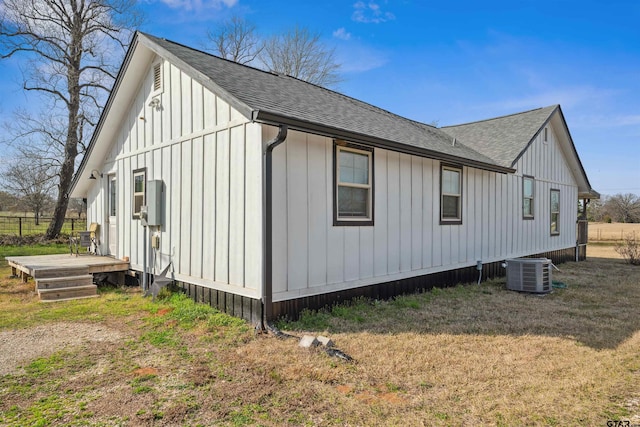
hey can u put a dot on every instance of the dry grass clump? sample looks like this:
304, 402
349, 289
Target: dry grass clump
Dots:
629, 249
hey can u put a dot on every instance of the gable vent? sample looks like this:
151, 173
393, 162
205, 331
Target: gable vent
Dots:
529, 275
157, 77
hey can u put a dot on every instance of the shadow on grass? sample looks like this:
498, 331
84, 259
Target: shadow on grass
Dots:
598, 308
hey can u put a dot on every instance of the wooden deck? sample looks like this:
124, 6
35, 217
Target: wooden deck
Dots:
35, 265
64, 277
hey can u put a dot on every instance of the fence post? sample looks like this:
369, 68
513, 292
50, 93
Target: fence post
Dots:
72, 224
20, 226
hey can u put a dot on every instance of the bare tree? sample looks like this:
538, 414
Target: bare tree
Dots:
32, 184
624, 207
78, 206
300, 53
71, 49
236, 40
8, 202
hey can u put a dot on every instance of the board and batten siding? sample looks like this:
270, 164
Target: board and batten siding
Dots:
312, 256
209, 158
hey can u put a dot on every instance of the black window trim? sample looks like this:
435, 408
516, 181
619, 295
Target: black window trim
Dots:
533, 197
557, 232
355, 222
460, 168
133, 192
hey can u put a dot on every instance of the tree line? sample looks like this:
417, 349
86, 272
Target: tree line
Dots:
617, 208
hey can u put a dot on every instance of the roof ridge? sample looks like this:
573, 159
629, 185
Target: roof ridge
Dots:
273, 73
501, 117
204, 52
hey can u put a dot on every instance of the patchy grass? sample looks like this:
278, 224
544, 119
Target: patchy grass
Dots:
468, 355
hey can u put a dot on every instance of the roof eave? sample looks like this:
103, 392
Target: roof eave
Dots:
591, 194
270, 118
575, 152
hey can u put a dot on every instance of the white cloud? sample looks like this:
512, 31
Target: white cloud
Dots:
357, 58
341, 34
199, 4
370, 13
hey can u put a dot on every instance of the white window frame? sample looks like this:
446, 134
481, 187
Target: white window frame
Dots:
554, 230
450, 220
138, 172
113, 195
530, 215
352, 220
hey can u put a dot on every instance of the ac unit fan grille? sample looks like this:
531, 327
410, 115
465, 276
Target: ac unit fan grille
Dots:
529, 275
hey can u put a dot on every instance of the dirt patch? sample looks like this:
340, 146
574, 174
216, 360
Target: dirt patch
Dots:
19, 346
141, 372
164, 312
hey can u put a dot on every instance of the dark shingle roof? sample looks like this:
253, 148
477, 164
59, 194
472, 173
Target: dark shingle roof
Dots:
268, 97
503, 139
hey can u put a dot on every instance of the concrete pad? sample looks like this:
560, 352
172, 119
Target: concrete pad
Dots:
325, 341
308, 341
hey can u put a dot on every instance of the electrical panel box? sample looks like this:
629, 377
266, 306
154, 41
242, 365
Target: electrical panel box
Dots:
154, 202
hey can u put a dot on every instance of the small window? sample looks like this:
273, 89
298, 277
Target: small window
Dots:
139, 187
527, 197
112, 195
546, 137
157, 77
353, 176
555, 212
450, 195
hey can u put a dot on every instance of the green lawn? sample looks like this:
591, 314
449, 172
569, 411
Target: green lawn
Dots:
28, 250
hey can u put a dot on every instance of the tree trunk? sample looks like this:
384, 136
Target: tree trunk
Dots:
66, 176
71, 145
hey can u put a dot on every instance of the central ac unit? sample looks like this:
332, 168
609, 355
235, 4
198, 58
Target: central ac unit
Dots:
529, 275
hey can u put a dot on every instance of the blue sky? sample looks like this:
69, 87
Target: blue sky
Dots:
460, 61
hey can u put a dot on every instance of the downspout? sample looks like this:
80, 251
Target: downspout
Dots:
267, 289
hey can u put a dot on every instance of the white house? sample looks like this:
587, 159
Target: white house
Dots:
268, 194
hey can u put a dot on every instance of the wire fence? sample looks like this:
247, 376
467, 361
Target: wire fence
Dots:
612, 234
26, 226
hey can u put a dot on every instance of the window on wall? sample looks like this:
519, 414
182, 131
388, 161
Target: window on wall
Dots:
353, 190
112, 195
527, 197
555, 212
450, 195
139, 187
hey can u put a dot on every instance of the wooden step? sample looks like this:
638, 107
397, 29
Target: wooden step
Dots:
40, 273
63, 294
64, 282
